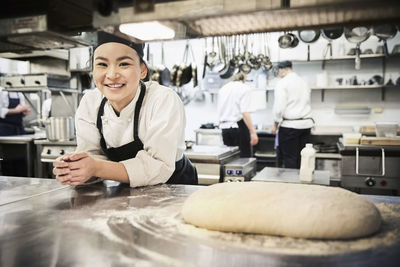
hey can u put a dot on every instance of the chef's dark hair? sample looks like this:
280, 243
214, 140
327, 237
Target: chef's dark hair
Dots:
284, 64
105, 37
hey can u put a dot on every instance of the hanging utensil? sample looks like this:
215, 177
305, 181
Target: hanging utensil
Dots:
285, 41
357, 35
194, 68
244, 67
205, 59
165, 74
384, 33
330, 34
309, 37
233, 62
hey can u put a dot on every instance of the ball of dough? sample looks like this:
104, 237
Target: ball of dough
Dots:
285, 209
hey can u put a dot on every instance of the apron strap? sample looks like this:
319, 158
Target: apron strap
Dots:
137, 111
138, 106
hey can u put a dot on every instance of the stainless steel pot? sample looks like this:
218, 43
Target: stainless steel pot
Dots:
60, 128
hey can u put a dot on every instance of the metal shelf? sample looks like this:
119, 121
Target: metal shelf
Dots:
39, 89
347, 87
342, 58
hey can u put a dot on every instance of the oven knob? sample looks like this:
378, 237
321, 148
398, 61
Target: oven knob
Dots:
48, 152
62, 152
22, 81
370, 181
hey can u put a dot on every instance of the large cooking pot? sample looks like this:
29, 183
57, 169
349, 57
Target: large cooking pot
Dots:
60, 128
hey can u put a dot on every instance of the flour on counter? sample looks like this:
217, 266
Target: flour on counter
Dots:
160, 218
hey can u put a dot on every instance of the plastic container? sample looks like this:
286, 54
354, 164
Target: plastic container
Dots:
351, 138
307, 165
386, 129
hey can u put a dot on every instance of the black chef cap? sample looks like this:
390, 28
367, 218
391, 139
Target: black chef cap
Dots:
285, 64
105, 37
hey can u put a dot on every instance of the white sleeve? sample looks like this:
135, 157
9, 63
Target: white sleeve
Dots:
164, 131
280, 101
21, 98
87, 134
3, 104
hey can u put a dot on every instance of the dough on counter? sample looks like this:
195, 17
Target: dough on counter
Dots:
293, 210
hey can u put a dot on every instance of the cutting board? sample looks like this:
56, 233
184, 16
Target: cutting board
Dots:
380, 141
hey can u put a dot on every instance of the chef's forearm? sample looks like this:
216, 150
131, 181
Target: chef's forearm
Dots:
248, 122
111, 170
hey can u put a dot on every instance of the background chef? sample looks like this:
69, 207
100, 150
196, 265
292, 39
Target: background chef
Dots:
12, 111
234, 107
127, 130
292, 113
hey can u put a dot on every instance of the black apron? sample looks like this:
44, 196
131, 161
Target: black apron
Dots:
12, 123
238, 137
185, 172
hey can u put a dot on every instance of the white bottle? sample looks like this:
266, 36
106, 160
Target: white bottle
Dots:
307, 165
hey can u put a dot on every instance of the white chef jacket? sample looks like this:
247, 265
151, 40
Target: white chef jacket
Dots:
233, 99
161, 125
292, 101
4, 101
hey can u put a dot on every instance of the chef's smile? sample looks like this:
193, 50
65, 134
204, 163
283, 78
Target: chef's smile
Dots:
115, 86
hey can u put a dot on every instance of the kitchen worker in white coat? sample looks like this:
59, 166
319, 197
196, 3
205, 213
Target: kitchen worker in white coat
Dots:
12, 111
127, 130
234, 107
292, 113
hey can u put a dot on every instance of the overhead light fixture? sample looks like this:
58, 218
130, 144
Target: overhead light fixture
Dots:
147, 31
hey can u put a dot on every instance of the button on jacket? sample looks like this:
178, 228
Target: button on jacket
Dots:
292, 102
161, 129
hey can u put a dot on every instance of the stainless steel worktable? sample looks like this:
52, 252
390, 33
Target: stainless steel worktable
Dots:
95, 225
285, 175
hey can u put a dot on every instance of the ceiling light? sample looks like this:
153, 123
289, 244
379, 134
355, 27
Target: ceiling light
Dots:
147, 31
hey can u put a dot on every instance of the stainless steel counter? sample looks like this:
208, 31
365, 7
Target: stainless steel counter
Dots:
270, 174
14, 189
121, 226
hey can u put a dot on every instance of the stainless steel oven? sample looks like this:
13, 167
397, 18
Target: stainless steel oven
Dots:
47, 152
372, 167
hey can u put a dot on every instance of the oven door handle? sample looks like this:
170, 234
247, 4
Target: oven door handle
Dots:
367, 174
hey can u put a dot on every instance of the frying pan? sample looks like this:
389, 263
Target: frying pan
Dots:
194, 69
308, 37
232, 63
357, 35
330, 34
184, 74
385, 32
165, 75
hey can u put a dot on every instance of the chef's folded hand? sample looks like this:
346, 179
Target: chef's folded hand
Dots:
74, 168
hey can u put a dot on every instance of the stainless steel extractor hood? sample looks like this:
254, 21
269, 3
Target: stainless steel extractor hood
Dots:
32, 33
43, 24
200, 18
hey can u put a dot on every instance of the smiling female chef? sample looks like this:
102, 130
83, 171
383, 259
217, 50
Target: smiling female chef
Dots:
127, 130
